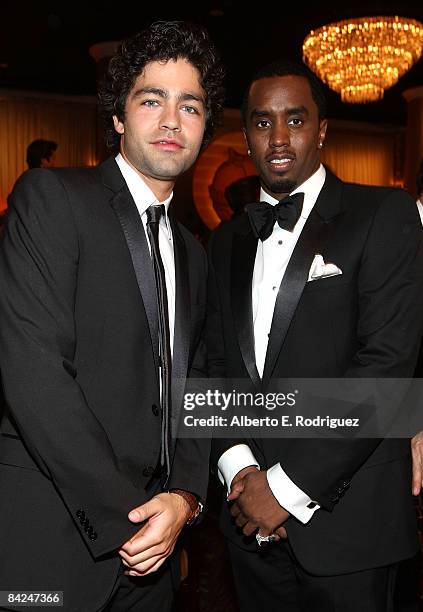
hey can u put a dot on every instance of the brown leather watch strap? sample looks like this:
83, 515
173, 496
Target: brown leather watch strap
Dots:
192, 502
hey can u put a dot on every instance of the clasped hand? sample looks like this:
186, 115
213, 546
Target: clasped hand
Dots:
254, 506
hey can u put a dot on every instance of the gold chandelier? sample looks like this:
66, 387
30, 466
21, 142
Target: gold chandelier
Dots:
360, 58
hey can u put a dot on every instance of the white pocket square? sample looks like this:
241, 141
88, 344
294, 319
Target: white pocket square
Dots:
320, 269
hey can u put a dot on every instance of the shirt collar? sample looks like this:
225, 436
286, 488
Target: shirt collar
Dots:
311, 189
142, 194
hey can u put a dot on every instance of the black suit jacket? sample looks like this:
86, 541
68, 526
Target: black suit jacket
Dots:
358, 324
78, 334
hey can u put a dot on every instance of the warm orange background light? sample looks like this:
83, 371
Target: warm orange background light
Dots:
224, 161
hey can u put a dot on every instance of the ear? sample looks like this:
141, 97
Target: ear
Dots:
118, 124
244, 133
322, 132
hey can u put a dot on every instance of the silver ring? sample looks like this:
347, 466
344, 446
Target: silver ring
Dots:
265, 539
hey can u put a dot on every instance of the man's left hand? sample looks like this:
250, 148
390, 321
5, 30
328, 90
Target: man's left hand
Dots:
255, 506
165, 516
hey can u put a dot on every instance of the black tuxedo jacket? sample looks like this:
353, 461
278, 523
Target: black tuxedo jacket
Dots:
78, 334
363, 323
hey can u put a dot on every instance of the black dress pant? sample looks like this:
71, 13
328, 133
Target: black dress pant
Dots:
151, 593
273, 580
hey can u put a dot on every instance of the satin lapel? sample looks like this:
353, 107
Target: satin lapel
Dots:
133, 230
244, 249
182, 321
312, 240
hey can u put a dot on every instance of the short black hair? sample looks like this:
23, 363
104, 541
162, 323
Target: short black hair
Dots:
162, 41
38, 150
419, 180
241, 192
280, 68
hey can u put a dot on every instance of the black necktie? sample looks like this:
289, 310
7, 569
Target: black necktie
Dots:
154, 214
263, 216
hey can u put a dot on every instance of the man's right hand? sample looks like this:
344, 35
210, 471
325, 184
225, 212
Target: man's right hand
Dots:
417, 455
280, 533
238, 477
163, 518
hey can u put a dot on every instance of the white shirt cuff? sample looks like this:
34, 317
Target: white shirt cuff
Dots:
290, 497
233, 461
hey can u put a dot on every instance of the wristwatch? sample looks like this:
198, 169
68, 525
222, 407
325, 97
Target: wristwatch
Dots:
196, 506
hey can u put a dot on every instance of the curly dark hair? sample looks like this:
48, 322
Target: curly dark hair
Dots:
281, 68
162, 41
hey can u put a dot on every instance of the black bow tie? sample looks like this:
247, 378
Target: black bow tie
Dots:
263, 216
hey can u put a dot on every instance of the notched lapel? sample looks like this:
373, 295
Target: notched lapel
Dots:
182, 320
133, 230
244, 249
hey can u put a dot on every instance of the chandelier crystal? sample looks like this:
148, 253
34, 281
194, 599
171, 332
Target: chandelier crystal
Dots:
360, 58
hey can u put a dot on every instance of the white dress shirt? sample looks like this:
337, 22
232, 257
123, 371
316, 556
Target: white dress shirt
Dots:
272, 258
420, 209
144, 197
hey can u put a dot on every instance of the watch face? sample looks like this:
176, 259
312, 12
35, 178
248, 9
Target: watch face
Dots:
196, 514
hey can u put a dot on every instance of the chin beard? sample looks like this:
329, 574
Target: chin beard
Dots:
282, 186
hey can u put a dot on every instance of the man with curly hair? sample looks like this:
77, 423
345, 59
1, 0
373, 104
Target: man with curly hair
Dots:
101, 312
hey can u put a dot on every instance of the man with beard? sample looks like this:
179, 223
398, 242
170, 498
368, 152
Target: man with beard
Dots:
321, 279
102, 303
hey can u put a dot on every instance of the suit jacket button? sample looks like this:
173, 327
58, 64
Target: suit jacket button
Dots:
92, 536
80, 514
148, 471
155, 410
